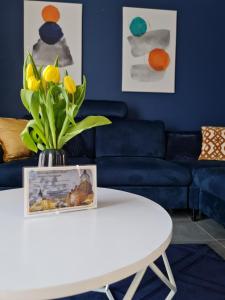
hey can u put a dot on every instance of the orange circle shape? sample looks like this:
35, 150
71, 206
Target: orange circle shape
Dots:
50, 13
159, 59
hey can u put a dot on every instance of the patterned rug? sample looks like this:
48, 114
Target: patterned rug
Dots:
198, 271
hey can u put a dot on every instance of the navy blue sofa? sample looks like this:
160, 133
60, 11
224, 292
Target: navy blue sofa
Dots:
211, 197
141, 157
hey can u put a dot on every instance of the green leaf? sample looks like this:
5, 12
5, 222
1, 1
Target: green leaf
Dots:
87, 123
60, 117
51, 116
32, 124
56, 63
65, 126
23, 96
34, 108
41, 147
40, 69
45, 122
71, 110
69, 107
65, 96
24, 72
34, 136
27, 140
36, 73
80, 95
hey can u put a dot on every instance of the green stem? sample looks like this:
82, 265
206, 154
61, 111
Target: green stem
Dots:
63, 131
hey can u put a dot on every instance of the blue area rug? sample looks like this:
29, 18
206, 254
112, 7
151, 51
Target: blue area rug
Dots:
199, 274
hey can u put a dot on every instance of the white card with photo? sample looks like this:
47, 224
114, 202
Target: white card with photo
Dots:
59, 189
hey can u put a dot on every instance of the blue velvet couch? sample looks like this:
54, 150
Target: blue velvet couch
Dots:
141, 157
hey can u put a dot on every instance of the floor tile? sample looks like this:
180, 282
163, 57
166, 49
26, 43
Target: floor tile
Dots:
180, 216
222, 242
189, 232
213, 228
218, 248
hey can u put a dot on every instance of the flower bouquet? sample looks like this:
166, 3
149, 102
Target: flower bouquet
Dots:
54, 105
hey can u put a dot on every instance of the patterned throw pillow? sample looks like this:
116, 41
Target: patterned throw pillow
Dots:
213, 143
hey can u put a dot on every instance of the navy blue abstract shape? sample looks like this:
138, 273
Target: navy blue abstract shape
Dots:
50, 33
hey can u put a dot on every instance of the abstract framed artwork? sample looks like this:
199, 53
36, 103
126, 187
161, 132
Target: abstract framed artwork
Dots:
51, 30
149, 50
59, 189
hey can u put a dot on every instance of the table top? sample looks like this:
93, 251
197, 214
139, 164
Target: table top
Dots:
48, 257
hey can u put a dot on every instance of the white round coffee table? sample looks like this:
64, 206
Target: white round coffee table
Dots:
49, 257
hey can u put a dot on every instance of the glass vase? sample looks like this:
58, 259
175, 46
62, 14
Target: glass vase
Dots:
52, 158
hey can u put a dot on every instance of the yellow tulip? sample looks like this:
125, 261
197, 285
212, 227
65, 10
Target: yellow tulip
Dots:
70, 84
51, 74
29, 71
33, 84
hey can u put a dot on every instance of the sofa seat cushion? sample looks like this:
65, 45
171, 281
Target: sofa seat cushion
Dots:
211, 180
11, 173
141, 171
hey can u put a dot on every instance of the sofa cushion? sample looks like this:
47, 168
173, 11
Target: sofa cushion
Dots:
183, 145
213, 143
83, 145
111, 109
141, 171
131, 138
11, 173
10, 140
211, 180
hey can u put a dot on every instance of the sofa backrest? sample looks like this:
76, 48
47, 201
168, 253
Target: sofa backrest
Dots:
183, 145
83, 145
131, 138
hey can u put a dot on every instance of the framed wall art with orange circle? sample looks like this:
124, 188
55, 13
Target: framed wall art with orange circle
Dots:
54, 29
149, 50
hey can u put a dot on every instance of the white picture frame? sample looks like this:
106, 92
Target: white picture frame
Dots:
54, 29
49, 190
155, 33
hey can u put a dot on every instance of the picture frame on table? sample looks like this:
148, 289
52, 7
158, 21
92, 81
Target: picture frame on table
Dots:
50, 190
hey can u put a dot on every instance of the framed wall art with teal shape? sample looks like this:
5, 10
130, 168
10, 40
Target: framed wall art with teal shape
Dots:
149, 50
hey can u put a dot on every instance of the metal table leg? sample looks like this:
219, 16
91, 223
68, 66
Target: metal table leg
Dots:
169, 282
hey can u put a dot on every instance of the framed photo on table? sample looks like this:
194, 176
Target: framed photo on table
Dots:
59, 189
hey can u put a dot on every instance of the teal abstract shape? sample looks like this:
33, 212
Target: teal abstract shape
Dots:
138, 26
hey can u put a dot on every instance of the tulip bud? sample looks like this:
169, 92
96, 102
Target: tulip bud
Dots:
29, 71
69, 84
33, 84
51, 74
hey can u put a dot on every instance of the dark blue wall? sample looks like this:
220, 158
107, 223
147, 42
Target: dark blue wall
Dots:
200, 64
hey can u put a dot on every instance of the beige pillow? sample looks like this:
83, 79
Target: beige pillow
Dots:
13, 147
213, 143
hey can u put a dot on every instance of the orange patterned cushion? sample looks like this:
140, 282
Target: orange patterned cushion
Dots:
213, 143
